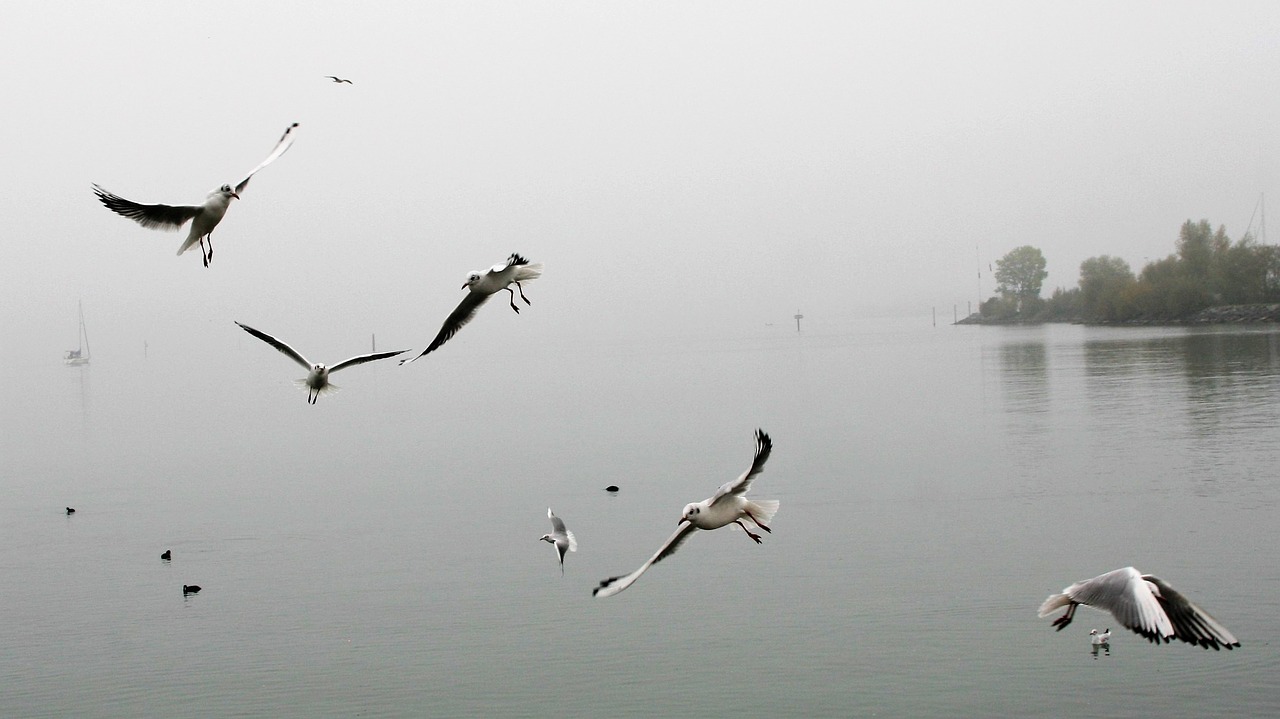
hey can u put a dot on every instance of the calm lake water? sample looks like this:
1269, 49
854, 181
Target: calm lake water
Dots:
376, 555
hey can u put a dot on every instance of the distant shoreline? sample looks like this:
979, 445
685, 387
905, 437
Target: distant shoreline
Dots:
1263, 313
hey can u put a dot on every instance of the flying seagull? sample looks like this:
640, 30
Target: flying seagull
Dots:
338, 79
317, 380
1143, 603
1098, 638
560, 537
499, 277
727, 505
205, 217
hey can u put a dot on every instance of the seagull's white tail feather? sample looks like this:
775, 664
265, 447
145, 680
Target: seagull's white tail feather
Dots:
192, 241
573, 541
524, 273
328, 389
1054, 603
764, 509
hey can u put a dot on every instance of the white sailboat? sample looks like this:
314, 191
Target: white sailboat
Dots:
80, 356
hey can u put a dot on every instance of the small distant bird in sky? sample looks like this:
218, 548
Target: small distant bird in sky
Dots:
337, 79
167, 555
190, 589
726, 506
1143, 603
499, 277
205, 217
317, 379
560, 537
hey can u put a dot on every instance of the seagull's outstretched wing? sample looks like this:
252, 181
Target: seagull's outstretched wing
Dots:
1191, 624
613, 585
152, 217
1159, 615
557, 527
286, 140
285, 349
456, 321
764, 446
361, 359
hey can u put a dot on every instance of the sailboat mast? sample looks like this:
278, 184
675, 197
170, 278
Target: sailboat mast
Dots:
84, 333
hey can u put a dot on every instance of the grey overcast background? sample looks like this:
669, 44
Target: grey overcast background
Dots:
682, 168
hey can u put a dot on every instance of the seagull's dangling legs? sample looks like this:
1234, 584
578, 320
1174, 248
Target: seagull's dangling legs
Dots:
752, 517
513, 299
748, 531
526, 299
1062, 621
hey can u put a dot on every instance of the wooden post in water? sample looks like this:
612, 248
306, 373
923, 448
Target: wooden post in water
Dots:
798, 318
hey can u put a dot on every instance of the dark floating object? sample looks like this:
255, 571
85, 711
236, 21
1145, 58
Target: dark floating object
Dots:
190, 589
71, 510
613, 488
166, 556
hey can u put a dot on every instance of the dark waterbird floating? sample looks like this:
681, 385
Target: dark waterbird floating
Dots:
1143, 603
205, 217
70, 510
166, 556
612, 489
190, 589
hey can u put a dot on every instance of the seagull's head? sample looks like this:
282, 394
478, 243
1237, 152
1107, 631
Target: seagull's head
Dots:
226, 190
1093, 632
690, 511
547, 538
472, 278
319, 369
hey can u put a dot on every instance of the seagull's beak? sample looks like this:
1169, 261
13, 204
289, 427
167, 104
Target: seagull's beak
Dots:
682, 521
235, 195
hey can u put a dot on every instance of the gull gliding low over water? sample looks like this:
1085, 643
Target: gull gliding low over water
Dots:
499, 277
204, 217
560, 537
727, 505
1143, 603
317, 379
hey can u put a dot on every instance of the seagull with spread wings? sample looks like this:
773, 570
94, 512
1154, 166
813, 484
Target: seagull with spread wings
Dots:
337, 79
317, 379
204, 217
1143, 603
727, 506
560, 537
499, 277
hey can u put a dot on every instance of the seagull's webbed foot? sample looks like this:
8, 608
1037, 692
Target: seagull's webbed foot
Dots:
513, 300
526, 299
751, 534
1062, 621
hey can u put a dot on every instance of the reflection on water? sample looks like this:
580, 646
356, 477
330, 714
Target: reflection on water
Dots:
936, 484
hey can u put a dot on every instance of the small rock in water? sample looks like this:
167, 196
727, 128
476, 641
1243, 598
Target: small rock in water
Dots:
190, 589
166, 555
613, 488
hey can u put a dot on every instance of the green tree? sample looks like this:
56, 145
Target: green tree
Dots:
1019, 275
1105, 283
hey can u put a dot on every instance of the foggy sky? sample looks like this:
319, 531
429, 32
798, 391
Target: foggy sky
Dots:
681, 168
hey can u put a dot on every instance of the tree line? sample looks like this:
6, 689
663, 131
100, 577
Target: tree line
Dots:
1206, 270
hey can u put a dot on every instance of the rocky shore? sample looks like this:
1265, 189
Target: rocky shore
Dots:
1225, 314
